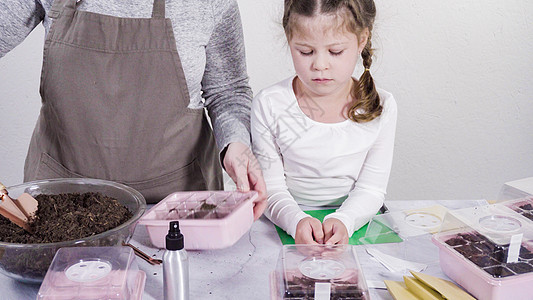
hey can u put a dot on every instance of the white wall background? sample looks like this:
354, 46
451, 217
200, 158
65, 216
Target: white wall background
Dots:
461, 72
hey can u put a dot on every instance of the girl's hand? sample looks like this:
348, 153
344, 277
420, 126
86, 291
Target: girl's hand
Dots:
335, 232
309, 231
242, 166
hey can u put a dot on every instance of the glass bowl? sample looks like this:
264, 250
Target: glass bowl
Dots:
29, 262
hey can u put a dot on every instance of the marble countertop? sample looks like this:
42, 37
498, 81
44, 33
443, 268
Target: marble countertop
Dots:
243, 270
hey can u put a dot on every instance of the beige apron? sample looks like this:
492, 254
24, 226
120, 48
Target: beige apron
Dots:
114, 106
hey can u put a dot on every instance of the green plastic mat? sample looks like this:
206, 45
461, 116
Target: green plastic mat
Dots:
388, 236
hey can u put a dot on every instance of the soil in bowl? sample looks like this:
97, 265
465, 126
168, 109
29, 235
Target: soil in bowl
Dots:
59, 218
65, 217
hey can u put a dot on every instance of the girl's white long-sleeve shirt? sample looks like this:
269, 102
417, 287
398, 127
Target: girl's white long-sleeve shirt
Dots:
321, 164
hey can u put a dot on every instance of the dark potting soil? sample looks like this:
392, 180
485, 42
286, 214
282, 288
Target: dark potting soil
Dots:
302, 287
69, 216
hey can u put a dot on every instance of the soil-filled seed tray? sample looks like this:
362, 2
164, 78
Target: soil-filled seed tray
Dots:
208, 219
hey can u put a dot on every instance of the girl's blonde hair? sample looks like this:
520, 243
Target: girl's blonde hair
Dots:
357, 15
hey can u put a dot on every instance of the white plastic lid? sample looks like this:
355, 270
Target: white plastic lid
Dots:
402, 225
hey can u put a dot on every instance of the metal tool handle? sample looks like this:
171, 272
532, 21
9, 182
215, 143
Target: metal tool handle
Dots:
146, 257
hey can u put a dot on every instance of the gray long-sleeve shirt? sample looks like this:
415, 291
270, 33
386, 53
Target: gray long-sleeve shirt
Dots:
209, 40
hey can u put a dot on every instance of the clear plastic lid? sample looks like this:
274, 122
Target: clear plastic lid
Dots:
402, 225
400, 241
318, 272
516, 189
496, 222
93, 273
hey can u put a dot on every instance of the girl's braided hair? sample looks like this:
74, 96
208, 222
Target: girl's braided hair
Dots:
357, 15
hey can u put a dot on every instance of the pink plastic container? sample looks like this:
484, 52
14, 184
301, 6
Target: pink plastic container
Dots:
208, 219
507, 281
93, 273
318, 272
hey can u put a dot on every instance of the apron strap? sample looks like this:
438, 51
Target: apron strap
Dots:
59, 5
158, 10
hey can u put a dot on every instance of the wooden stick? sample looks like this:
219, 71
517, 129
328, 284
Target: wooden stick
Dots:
19, 210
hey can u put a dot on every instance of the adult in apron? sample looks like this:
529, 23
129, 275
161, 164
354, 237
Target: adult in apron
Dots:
114, 106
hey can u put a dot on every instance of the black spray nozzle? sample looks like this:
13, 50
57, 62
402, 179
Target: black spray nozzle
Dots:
174, 238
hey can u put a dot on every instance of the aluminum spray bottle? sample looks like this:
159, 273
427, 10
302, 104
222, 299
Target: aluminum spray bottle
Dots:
175, 266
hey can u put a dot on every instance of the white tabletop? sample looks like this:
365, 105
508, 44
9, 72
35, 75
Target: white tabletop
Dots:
242, 271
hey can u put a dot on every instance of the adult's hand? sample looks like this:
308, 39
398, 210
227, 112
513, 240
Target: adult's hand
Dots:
309, 231
335, 232
244, 169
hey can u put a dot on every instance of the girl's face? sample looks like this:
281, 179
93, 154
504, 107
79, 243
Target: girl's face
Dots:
324, 55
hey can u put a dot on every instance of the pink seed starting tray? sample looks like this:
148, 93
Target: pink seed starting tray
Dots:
318, 272
93, 273
208, 219
479, 266
488, 250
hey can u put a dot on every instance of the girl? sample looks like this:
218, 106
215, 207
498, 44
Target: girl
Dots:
322, 137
